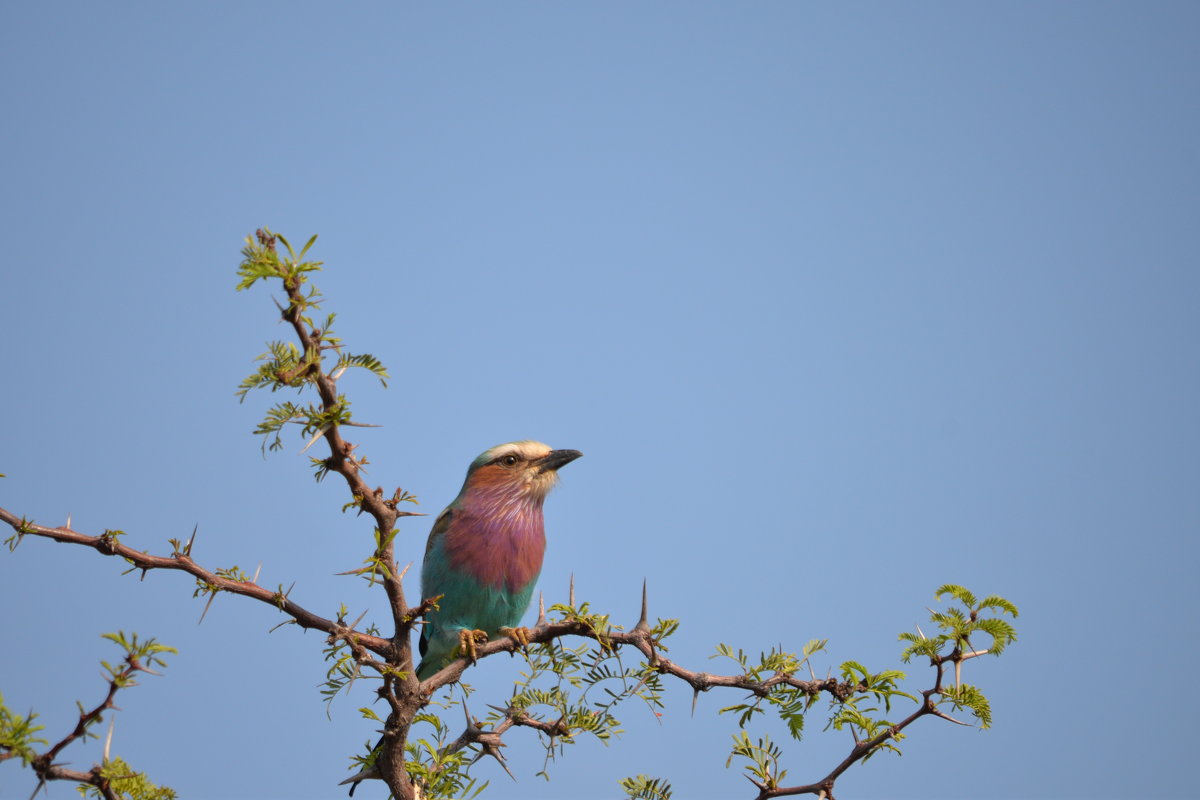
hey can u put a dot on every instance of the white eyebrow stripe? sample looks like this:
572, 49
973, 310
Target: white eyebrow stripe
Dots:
527, 449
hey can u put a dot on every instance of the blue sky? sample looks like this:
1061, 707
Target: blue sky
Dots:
841, 302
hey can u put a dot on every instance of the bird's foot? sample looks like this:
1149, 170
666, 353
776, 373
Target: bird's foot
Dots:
520, 635
469, 642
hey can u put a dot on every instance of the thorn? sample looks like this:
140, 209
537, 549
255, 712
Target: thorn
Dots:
946, 716
359, 571
338, 373
207, 606
541, 620
642, 624
571, 595
112, 721
404, 571
187, 550
255, 578
695, 697
354, 624
68, 522
314, 439
919, 631
409, 513
487, 748
762, 787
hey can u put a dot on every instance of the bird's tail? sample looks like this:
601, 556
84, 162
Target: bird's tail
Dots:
367, 774
371, 773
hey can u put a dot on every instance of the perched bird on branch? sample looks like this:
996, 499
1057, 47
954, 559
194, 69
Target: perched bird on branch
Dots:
484, 555
485, 551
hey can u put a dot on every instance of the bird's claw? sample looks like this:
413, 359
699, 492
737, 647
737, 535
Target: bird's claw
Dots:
469, 641
520, 635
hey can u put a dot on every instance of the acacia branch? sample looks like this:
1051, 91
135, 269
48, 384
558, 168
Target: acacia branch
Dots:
88, 718
44, 765
824, 787
402, 695
642, 640
341, 453
92, 777
640, 637
399, 687
109, 545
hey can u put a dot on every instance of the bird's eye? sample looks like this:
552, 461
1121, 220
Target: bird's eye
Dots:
509, 460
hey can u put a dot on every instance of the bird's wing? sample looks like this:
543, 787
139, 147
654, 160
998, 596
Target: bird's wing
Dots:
440, 526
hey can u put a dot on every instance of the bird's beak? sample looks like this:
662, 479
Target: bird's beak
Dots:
556, 459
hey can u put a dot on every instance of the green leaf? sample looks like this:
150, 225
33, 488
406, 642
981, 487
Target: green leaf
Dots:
763, 756
957, 592
17, 733
643, 787
307, 245
127, 783
999, 603
969, 697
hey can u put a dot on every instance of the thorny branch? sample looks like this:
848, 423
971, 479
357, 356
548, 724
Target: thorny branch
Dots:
404, 694
640, 637
44, 765
403, 702
341, 452
824, 787
400, 688
110, 545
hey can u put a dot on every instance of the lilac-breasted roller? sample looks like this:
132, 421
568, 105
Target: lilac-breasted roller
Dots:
485, 550
484, 554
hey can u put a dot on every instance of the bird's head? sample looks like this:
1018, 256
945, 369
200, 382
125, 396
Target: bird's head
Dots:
527, 469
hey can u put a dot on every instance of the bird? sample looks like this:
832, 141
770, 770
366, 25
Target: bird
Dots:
484, 555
